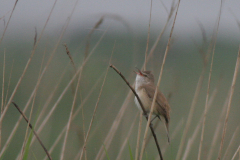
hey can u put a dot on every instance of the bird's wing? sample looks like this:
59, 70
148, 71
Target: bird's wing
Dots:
164, 107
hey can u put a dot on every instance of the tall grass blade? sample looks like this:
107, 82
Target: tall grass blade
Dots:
229, 103
158, 84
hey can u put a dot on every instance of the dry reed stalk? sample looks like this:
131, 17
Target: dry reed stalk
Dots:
96, 106
27, 65
197, 128
173, 136
190, 115
84, 132
158, 84
66, 88
229, 103
208, 88
9, 80
95, 130
199, 86
239, 154
164, 6
38, 82
51, 95
20, 156
118, 118
20, 79
29, 119
235, 154
143, 109
116, 122
70, 57
150, 136
160, 35
5, 29
114, 127
90, 34
4, 16
70, 117
231, 143
71, 112
73, 104
126, 139
139, 135
74, 116
112, 131
29, 124
85, 55
33, 102
35, 38
27, 105
2, 103
150, 16
3, 83
236, 18
218, 127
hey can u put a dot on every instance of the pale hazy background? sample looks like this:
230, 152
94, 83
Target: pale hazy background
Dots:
31, 13
127, 22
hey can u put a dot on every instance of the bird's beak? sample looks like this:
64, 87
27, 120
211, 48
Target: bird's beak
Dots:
139, 72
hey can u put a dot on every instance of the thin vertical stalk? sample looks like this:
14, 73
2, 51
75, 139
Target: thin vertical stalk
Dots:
139, 135
2, 103
235, 154
218, 128
94, 112
145, 62
119, 116
66, 88
30, 117
208, 88
231, 143
38, 82
190, 115
70, 117
96, 106
5, 29
126, 139
160, 35
74, 116
30, 125
9, 80
229, 103
158, 84
27, 65
196, 130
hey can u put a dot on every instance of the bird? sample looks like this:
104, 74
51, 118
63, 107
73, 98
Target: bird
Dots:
145, 89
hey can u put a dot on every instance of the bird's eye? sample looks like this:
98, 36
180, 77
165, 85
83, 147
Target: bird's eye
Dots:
145, 75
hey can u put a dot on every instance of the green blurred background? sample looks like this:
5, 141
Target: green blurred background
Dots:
182, 70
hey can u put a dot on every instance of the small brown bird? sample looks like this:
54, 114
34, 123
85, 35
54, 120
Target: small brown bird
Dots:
145, 89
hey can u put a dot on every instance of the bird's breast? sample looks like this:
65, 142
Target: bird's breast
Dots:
144, 99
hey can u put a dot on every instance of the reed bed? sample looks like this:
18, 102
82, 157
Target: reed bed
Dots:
77, 107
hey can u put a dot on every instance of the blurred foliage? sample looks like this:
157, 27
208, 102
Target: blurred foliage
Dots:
180, 76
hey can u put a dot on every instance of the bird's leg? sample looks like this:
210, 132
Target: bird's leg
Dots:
157, 116
145, 115
153, 119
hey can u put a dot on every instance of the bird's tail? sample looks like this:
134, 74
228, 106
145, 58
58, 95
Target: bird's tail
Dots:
167, 130
166, 127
